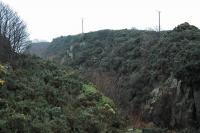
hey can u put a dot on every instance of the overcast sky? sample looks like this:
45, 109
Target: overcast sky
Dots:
47, 19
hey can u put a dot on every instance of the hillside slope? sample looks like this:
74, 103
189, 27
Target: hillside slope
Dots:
151, 76
37, 96
38, 48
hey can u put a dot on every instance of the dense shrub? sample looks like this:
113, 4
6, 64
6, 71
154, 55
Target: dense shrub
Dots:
140, 61
39, 96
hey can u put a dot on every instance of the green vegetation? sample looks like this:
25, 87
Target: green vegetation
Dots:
38, 48
149, 75
2, 72
39, 96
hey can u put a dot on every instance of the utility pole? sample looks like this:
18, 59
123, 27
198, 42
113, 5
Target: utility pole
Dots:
82, 26
159, 20
82, 34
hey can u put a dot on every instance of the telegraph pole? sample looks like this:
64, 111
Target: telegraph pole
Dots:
82, 26
159, 20
82, 34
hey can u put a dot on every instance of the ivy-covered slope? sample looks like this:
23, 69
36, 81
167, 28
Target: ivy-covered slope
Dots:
37, 96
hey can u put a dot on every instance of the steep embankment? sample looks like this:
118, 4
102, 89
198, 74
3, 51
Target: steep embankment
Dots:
37, 96
153, 77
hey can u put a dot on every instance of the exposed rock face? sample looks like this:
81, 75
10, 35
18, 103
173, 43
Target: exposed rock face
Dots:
183, 109
140, 63
174, 105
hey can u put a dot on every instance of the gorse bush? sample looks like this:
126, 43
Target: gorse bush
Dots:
127, 65
38, 96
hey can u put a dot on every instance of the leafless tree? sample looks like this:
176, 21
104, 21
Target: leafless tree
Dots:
12, 28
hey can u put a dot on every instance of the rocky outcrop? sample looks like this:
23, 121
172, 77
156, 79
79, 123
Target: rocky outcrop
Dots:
174, 105
141, 63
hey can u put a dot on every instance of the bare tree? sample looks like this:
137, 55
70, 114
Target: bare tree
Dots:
12, 28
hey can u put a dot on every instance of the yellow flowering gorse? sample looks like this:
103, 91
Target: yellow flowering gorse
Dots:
2, 70
2, 82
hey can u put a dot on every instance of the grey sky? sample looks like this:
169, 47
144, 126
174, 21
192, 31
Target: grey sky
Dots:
47, 19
